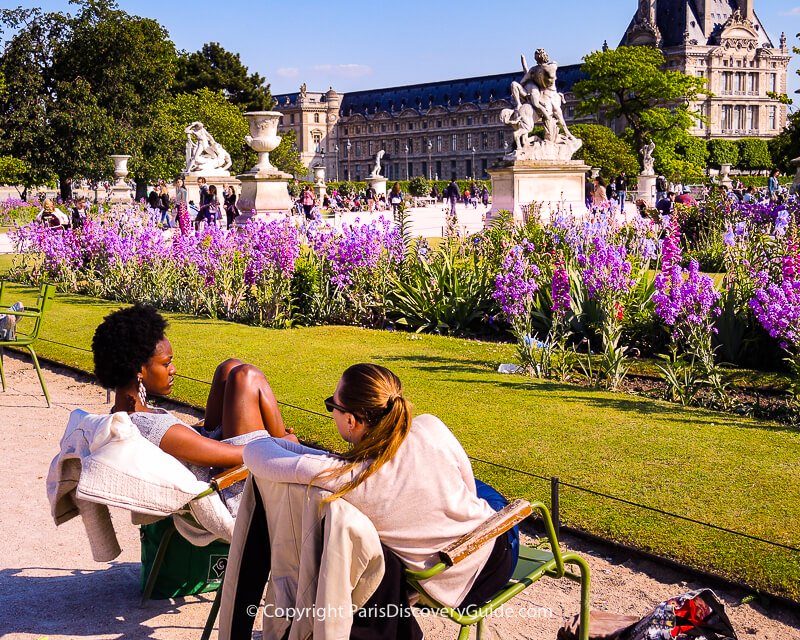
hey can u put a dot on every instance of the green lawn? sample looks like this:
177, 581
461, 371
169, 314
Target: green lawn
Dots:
734, 472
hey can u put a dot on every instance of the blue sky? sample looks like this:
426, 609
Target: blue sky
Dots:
357, 44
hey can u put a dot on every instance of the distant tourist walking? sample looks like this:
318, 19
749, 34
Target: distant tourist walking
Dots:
485, 196
308, 201
621, 183
182, 207
229, 201
599, 192
396, 199
773, 186
452, 194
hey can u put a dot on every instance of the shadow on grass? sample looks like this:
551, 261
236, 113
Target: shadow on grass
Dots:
433, 364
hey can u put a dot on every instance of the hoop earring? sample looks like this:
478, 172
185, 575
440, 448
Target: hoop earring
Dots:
142, 392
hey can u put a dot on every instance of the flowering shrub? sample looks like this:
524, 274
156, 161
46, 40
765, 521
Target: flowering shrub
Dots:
553, 282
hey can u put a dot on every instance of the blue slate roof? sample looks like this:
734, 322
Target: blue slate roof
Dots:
446, 93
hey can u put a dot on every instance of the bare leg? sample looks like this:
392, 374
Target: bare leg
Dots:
216, 396
249, 404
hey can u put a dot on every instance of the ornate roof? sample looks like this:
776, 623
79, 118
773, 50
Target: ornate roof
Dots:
681, 22
448, 94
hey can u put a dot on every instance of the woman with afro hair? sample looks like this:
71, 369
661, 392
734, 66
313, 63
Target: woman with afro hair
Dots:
133, 356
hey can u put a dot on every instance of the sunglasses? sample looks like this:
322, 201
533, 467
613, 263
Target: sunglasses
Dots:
330, 405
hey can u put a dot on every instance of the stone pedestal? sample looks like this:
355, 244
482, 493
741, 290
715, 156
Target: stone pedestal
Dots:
378, 183
120, 190
517, 184
320, 190
647, 189
725, 176
264, 194
795, 188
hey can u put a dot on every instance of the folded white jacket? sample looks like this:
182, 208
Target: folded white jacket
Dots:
319, 573
104, 461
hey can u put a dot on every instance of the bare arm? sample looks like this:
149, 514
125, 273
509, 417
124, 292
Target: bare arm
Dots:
524, 64
185, 444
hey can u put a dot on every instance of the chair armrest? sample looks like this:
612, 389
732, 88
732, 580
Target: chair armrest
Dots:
231, 476
496, 525
21, 314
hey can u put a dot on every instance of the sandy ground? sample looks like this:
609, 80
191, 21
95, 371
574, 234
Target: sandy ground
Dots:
51, 588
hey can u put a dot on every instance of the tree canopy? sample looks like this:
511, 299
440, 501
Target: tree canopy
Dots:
217, 69
80, 87
603, 148
631, 83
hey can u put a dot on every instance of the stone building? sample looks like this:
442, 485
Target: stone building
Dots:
452, 129
724, 42
439, 130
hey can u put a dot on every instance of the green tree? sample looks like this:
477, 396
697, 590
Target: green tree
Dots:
753, 154
631, 83
216, 69
164, 144
286, 156
785, 147
723, 152
12, 170
81, 87
163, 149
603, 148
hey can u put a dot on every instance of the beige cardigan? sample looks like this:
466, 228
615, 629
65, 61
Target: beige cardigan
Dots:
318, 573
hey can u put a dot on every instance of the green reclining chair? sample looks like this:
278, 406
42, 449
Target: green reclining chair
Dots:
533, 564
26, 339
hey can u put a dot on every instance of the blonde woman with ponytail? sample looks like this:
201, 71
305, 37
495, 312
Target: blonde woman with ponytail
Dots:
414, 481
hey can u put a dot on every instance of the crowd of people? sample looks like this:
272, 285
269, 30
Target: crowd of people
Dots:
667, 194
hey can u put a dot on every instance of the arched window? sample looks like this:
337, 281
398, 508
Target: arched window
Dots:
316, 118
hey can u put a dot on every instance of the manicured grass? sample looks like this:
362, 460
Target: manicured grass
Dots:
734, 472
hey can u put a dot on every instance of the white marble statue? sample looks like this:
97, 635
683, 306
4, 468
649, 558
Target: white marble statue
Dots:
521, 120
376, 169
647, 158
538, 88
537, 100
203, 153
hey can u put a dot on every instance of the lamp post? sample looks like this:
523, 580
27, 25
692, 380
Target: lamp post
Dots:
430, 149
348, 146
473, 162
407, 176
322, 153
336, 151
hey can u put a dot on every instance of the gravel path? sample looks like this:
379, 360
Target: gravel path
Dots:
50, 587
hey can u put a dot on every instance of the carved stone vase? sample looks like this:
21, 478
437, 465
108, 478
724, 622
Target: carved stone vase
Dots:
319, 175
120, 169
263, 137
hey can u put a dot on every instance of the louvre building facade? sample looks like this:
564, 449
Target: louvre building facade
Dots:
452, 129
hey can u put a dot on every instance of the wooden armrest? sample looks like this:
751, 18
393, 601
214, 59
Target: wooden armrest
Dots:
231, 476
496, 525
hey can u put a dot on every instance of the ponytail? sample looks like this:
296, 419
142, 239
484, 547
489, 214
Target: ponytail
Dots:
376, 396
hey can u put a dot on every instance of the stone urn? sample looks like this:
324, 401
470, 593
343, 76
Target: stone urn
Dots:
725, 174
263, 137
319, 175
120, 169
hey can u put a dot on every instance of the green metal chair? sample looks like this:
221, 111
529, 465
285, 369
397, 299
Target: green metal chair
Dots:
533, 564
217, 484
26, 339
